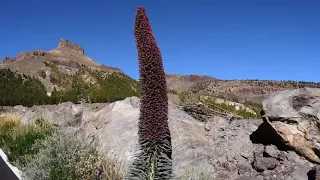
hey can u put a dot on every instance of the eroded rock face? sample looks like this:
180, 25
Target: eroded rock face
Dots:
7, 59
295, 116
198, 112
218, 148
69, 46
29, 55
23, 56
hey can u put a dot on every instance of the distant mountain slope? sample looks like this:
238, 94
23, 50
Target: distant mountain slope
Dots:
234, 90
67, 74
68, 56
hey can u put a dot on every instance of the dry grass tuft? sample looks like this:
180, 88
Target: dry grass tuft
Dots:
8, 118
196, 174
66, 156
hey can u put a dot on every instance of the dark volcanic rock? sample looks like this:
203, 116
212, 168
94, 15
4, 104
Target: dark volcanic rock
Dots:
265, 163
198, 112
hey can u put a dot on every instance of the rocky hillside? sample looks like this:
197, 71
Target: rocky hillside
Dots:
66, 54
242, 91
67, 74
284, 146
63, 74
69, 58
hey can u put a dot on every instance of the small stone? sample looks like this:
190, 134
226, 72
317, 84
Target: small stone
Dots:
207, 127
265, 163
282, 155
258, 150
292, 156
244, 168
272, 151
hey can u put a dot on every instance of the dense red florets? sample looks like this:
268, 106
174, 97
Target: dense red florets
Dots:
153, 124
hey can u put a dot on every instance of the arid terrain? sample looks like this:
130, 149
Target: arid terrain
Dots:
68, 71
274, 137
234, 90
69, 59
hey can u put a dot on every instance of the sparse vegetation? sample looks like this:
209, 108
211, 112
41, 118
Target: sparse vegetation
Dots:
17, 89
196, 174
172, 91
256, 107
44, 153
283, 83
65, 156
106, 87
42, 74
187, 97
241, 111
16, 140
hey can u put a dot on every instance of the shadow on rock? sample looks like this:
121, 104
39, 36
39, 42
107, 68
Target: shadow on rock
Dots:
266, 135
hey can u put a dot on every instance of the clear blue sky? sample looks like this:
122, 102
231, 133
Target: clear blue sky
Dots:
227, 39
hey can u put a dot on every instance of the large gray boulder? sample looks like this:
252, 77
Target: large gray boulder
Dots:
114, 128
295, 117
216, 149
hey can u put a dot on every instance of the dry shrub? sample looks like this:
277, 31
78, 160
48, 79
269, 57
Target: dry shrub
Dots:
66, 156
8, 119
196, 174
16, 139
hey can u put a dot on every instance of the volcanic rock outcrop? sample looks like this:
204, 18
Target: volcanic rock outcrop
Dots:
66, 45
294, 117
217, 148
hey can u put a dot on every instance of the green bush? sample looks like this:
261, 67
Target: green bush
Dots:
172, 91
42, 74
65, 156
232, 108
16, 140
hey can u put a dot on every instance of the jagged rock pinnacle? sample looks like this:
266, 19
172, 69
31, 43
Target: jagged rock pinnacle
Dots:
66, 45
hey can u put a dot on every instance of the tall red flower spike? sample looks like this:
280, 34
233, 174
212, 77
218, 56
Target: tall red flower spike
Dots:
154, 133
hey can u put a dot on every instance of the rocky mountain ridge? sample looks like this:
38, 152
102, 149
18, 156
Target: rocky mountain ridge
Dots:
67, 60
241, 91
65, 53
58, 69
62, 74
69, 46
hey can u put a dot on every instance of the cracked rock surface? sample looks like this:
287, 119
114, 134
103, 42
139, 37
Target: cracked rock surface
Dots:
237, 150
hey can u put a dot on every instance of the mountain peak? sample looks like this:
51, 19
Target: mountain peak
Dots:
65, 45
